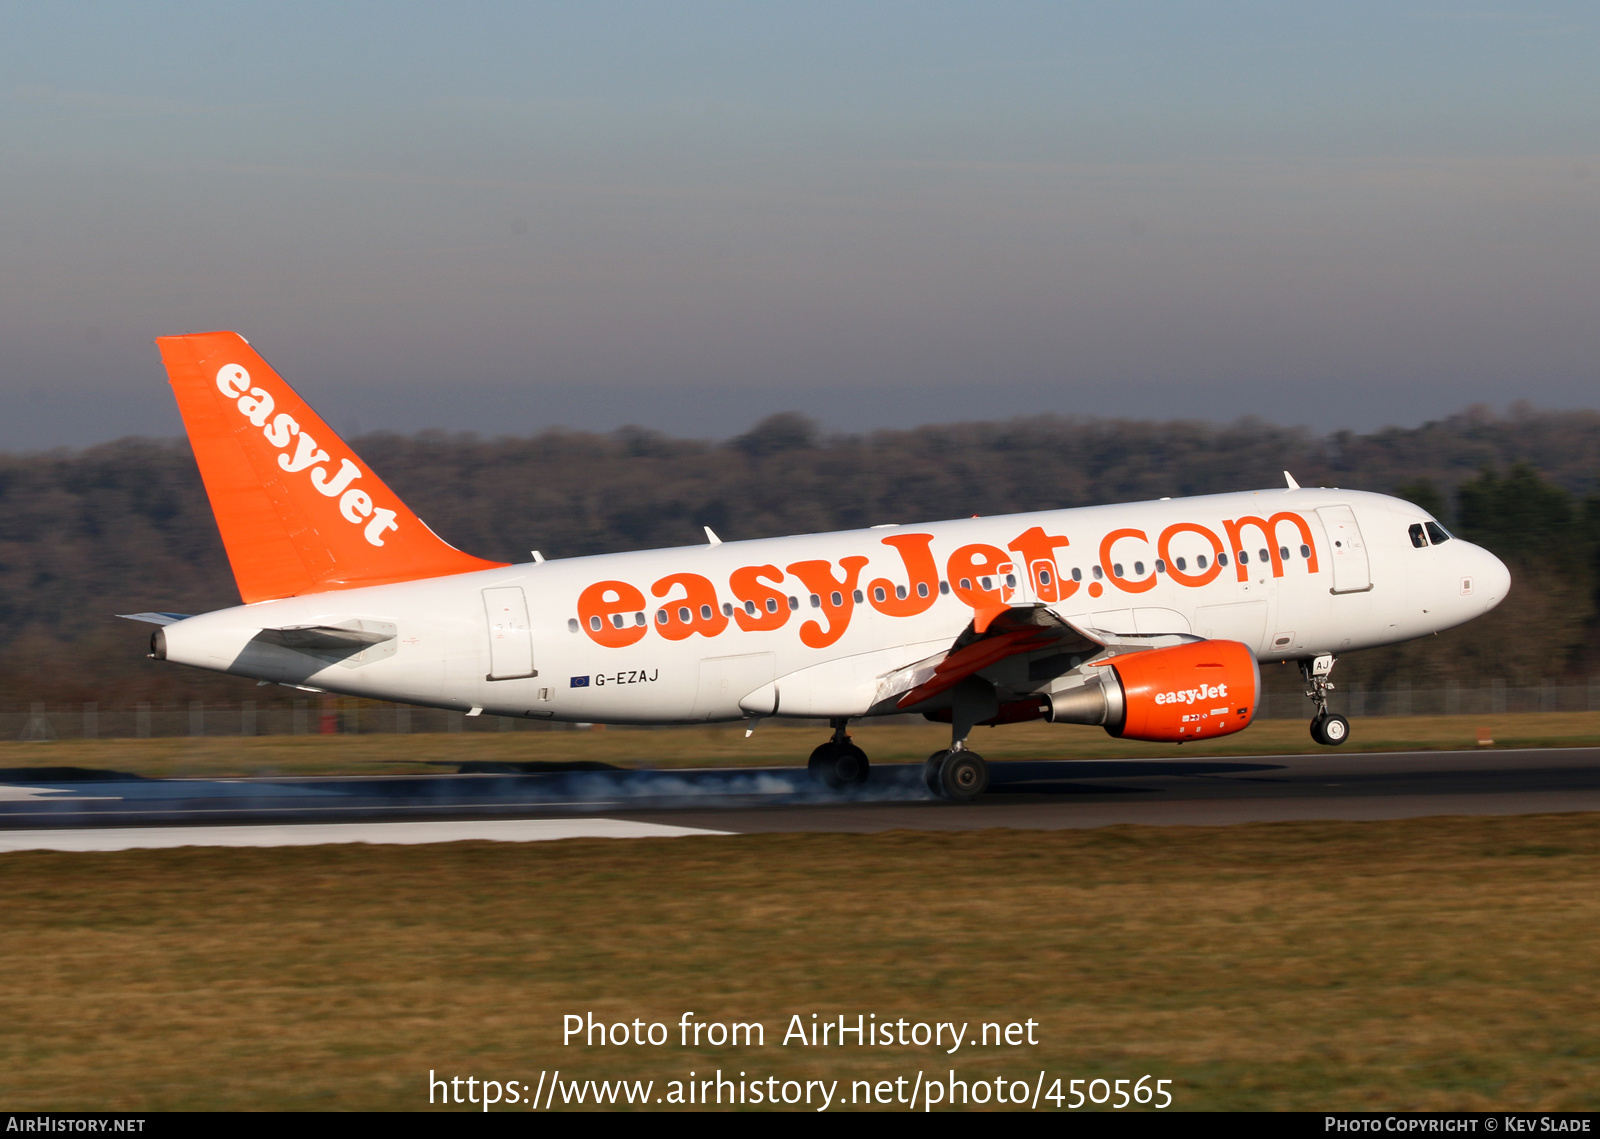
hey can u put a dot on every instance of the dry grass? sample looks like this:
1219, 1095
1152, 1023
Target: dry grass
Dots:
772, 745
1420, 964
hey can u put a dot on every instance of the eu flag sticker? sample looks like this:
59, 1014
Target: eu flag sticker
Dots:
580, 682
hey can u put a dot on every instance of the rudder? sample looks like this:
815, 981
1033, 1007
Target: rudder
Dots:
299, 512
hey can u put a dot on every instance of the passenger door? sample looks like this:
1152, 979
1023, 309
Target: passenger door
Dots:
510, 639
1346, 550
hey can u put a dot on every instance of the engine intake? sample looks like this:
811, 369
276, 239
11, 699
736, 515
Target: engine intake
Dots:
1194, 691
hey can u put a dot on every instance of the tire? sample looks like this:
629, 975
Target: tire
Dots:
1335, 730
964, 776
851, 766
930, 774
823, 764
838, 765
1316, 729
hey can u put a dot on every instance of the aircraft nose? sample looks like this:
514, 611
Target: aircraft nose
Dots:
1493, 578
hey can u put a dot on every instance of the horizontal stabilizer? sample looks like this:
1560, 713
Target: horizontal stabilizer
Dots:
156, 618
322, 638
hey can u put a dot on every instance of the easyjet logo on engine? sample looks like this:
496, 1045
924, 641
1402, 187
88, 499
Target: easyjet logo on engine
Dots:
257, 405
982, 576
1192, 695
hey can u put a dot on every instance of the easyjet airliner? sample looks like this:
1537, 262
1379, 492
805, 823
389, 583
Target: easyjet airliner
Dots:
1147, 618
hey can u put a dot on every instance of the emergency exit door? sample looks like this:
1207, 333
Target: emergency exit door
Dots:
510, 638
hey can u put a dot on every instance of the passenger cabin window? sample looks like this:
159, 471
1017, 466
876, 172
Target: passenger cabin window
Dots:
1222, 560
1200, 562
1438, 533
1305, 552
1419, 538
1077, 574
944, 589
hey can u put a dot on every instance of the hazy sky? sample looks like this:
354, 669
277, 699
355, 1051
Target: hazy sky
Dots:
503, 217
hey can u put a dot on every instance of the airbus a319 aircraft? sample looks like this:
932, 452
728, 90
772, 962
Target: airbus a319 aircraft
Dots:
1149, 618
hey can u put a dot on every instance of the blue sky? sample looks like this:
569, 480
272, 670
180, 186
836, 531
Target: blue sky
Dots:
505, 217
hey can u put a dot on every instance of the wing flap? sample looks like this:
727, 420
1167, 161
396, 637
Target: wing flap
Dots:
1011, 632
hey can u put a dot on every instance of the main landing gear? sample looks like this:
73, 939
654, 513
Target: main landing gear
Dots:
839, 763
1328, 728
957, 773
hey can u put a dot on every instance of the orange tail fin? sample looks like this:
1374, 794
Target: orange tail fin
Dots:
298, 511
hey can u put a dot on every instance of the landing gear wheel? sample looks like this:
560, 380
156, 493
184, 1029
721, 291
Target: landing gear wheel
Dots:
1335, 729
1330, 729
963, 776
838, 765
851, 767
930, 774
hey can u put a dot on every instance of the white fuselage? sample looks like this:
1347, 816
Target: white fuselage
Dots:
524, 648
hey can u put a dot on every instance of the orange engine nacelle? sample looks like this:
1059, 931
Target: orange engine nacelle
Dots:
1193, 691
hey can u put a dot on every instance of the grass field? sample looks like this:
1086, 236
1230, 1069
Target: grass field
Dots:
772, 745
1432, 963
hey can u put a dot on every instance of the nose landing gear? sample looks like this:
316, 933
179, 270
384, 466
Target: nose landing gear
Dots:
1330, 728
839, 763
1327, 728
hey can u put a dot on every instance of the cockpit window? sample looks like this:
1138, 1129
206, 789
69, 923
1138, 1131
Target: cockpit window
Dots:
1418, 538
1438, 533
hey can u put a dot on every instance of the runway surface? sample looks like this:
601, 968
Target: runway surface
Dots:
1043, 794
